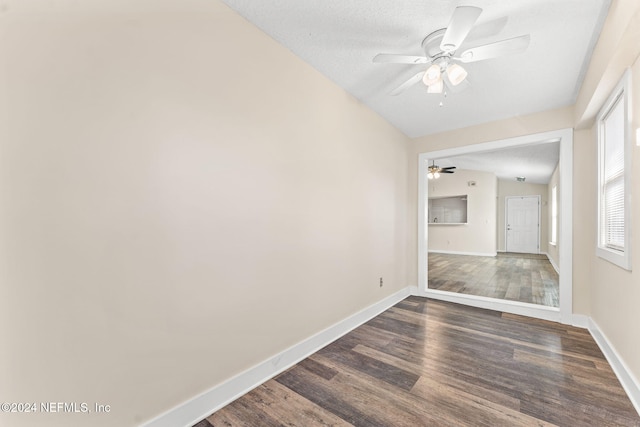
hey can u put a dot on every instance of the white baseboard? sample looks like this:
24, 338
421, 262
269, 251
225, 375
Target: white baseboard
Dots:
514, 307
580, 321
626, 378
553, 263
199, 407
437, 251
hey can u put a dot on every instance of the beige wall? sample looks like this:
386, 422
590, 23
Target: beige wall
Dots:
615, 293
584, 219
180, 198
508, 188
478, 236
616, 49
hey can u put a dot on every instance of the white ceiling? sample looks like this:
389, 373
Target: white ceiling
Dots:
340, 37
535, 162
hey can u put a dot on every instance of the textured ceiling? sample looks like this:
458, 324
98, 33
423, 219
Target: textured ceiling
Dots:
340, 38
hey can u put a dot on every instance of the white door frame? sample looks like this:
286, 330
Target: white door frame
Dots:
562, 314
506, 220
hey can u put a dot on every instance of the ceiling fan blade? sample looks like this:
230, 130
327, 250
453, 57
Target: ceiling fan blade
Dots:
461, 23
404, 86
494, 50
448, 167
390, 58
487, 29
444, 171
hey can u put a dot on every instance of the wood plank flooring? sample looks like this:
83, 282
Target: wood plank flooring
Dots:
526, 278
432, 363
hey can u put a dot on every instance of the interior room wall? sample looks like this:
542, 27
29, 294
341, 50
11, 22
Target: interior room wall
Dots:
478, 236
508, 188
584, 225
180, 199
614, 292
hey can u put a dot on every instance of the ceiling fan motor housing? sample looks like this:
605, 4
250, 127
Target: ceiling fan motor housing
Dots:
431, 45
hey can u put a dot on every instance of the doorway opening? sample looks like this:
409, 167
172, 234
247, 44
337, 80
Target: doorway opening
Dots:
561, 313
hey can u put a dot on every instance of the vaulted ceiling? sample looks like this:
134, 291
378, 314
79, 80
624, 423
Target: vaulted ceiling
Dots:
341, 37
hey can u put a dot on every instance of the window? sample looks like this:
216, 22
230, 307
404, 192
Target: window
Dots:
554, 215
614, 156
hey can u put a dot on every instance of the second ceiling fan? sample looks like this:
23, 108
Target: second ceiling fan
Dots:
435, 171
441, 51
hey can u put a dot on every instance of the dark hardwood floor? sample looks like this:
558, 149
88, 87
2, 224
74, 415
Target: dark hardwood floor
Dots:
431, 363
526, 278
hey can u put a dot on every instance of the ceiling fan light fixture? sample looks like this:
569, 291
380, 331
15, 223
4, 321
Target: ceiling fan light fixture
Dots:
437, 87
432, 75
456, 74
432, 170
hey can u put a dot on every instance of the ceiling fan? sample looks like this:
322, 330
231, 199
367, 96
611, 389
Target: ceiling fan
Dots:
441, 51
435, 171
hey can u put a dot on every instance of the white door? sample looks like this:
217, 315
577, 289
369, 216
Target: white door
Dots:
523, 224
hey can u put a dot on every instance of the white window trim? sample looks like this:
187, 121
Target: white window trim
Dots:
622, 91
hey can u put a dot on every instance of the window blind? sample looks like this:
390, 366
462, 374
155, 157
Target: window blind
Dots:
612, 196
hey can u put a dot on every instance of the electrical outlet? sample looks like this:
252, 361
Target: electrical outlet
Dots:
381, 282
